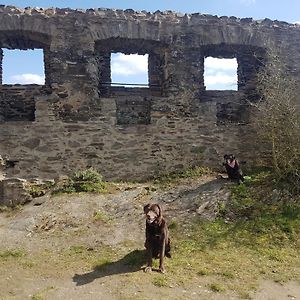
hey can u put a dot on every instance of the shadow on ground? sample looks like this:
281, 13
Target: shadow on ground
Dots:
131, 262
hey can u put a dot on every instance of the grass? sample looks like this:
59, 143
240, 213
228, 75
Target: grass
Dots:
11, 254
40, 295
101, 216
160, 281
172, 178
256, 237
216, 287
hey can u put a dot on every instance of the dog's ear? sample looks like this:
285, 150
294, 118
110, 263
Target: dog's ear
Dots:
146, 208
159, 214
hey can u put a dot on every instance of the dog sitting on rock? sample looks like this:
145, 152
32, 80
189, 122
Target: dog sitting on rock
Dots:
233, 169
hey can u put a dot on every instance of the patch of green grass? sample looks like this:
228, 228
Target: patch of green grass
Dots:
203, 272
216, 287
101, 216
37, 297
173, 225
160, 281
12, 254
102, 264
173, 177
257, 239
77, 249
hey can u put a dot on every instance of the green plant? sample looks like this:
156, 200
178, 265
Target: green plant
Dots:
88, 180
38, 189
88, 175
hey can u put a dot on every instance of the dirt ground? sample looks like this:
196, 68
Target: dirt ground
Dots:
50, 245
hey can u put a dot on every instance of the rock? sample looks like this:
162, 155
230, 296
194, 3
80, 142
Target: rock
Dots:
13, 192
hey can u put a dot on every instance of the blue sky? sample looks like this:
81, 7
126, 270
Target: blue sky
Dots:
16, 68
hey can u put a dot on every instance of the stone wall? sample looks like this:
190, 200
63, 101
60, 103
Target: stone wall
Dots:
79, 119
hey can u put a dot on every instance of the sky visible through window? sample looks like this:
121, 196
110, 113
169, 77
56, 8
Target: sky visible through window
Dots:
27, 67
23, 67
220, 73
131, 69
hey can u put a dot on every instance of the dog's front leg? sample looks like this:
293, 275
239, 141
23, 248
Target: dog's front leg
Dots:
162, 254
149, 258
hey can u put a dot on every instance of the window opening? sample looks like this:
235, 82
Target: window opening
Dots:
23, 67
220, 73
129, 70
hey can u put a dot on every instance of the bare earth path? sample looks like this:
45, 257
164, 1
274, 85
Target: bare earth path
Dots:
50, 247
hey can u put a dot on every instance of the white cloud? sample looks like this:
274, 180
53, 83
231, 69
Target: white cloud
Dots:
221, 78
220, 63
127, 65
220, 74
297, 22
27, 79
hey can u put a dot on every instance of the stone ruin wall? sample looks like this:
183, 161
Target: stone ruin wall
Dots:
78, 119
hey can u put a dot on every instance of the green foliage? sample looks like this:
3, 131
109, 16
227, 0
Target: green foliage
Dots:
88, 180
37, 189
88, 175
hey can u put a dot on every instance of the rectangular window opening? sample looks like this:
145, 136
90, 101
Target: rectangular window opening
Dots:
220, 73
23, 67
129, 70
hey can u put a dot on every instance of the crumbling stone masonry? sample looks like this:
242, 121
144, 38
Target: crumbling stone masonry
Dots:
79, 119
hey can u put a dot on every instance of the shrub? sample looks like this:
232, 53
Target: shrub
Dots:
278, 120
88, 180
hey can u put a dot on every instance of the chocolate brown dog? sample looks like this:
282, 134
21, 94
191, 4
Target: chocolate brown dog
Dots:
157, 241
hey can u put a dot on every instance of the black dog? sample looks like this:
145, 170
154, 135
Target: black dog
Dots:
233, 169
157, 242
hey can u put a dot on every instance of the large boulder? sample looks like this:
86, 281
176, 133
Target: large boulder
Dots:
13, 192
